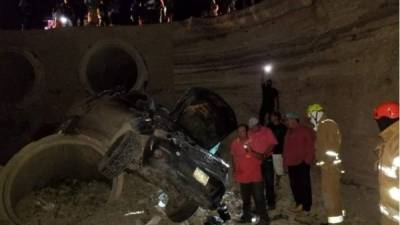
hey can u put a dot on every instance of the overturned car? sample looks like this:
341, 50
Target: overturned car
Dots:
177, 150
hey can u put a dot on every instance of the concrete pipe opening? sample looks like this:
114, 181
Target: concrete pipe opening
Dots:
17, 76
113, 65
48, 162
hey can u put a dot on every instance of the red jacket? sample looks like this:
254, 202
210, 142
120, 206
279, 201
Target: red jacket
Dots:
299, 146
247, 168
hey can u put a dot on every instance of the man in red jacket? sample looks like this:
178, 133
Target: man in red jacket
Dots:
298, 154
248, 152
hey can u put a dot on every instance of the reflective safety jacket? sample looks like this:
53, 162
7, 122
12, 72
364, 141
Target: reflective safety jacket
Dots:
328, 143
389, 163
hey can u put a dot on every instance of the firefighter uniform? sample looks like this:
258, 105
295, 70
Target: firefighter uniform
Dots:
328, 142
388, 165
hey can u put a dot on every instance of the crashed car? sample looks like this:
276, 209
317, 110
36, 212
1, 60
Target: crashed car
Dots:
177, 150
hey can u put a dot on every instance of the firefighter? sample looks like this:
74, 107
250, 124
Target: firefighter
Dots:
327, 144
387, 117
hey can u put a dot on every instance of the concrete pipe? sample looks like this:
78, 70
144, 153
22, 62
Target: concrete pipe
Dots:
53, 158
21, 80
112, 64
60, 156
21, 75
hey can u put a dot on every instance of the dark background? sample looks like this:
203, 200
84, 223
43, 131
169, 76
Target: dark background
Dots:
10, 15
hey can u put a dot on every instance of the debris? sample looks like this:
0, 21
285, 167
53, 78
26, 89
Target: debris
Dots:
66, 202
134, 213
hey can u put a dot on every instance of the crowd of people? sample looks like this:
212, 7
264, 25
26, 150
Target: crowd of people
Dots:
262, 152
272, 145
68, 13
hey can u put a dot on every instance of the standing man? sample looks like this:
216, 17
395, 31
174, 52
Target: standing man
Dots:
279, 130
387, 117
270, 100
26, 10
327, 144
247, 172
263, 140
298, 154
68, 11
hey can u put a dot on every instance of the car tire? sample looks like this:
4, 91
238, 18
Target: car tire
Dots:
126, 148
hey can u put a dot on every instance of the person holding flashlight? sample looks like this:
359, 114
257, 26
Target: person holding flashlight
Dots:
248, 152
270, 99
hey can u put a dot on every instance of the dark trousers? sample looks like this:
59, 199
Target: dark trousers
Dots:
255, 190
300, 183
264, 110
269, 175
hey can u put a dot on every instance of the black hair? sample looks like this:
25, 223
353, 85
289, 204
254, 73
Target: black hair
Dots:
277, 114
243, 125
385, 122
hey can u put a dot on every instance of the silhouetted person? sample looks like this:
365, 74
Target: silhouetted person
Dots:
91, 6
270, 100
170, 5
113, 11
102, 13
68, 11
279, 130
80, 12
26, 10
214, 7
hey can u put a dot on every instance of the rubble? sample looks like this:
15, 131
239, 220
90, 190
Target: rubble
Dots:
84, 203
65, 203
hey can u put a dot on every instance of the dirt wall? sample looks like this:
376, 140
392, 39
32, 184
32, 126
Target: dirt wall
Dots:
342, 54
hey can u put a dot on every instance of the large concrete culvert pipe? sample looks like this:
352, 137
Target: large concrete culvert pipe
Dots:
60, 156
51, 159
20, 75
21, 80
112, 64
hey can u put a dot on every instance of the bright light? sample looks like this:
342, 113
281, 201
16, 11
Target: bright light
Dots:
320, 163
255, 219
268, 68
335, 219
337, 161
331, 153
63, 19
388, 171
134, 213
396, 161
384, 210
162, 204
394, 193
